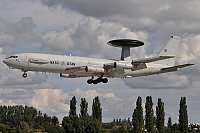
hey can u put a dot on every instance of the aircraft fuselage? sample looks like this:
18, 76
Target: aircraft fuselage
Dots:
60, 64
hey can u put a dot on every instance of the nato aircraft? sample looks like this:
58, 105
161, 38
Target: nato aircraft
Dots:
102, 69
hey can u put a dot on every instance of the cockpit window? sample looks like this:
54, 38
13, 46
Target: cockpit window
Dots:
13, 56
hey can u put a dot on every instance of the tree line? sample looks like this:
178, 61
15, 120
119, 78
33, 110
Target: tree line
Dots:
83, 123
155, 123
20, 119
24, 119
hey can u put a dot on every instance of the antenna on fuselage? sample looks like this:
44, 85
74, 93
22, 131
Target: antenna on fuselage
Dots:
125, 44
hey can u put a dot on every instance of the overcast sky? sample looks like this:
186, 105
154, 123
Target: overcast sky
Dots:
82, 28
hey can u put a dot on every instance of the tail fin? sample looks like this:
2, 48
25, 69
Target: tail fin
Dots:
170, 49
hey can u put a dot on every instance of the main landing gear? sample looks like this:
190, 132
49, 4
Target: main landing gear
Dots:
24, 75
98, 80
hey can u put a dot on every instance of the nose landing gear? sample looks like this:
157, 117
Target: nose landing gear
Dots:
24, 75
98, 80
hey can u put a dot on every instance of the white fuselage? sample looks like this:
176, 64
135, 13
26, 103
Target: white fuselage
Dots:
64, 64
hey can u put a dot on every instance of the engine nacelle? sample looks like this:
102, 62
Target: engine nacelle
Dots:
94, 69
110, 65
123, 65
67, 76
118, 65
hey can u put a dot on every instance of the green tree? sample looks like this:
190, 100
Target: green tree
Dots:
83, 113
25, 119
6, 129
24, 128
38, 122
123, 129
73, 116
137, 117
53, 129
183, 116
67, 125
97, 111
54, 120
72, 111
129, 123
160, 115
92, 127
169, 123
175, 128
83, 108
149, 117
47, 119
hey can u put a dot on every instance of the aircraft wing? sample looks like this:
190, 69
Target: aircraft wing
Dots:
175, 68
151, 59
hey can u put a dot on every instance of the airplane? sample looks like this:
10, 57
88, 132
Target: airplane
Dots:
76, 67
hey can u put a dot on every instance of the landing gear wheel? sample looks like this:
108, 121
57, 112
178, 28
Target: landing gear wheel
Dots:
24, 75
95, 82
99, 80
105, 80
89, 81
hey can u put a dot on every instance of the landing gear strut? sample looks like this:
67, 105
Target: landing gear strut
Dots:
24, 75
98, 80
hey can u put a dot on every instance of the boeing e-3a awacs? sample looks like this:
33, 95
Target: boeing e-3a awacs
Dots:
75, 67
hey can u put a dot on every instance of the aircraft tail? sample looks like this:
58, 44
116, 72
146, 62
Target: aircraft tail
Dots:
171, 49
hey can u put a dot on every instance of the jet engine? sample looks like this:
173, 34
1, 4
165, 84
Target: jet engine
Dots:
67, 76
94, 69
118, 65
123, 65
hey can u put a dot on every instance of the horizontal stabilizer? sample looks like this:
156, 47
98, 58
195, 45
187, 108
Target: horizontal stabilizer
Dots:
175, 68
151, 59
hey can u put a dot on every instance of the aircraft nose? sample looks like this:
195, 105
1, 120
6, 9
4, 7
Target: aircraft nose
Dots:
5, 61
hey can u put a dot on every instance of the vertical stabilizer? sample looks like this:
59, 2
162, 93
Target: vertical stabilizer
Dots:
171, 49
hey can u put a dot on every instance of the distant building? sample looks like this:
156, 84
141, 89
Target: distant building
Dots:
116, 127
